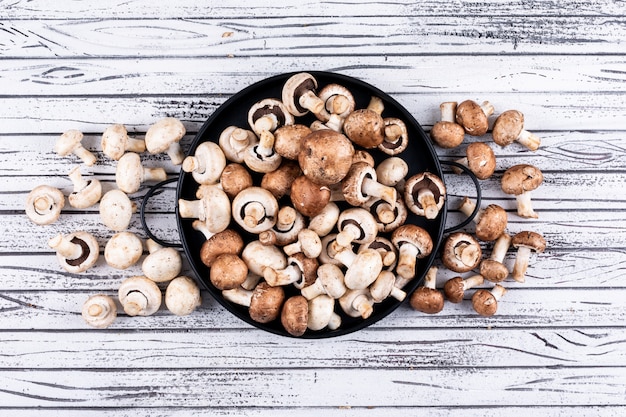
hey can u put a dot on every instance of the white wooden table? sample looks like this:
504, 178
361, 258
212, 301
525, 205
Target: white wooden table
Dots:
557, 345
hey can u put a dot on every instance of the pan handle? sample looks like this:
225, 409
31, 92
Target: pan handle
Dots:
478, 195
142, 214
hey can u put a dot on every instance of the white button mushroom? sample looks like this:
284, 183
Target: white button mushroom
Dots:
182, 296
162, 264
116, 210
130, 174
258, 257
213, 209
234, 141
123, 250
322, 314
206, 164
363, 267
76, 251
70, 142
324, 222
255, 209
99, 311
44, 204
164, 136
308, 242
392, 171
338, 104
300, 96
139, 296
86, 192
115, 142
385, 286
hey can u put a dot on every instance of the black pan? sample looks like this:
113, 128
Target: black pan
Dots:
419, 155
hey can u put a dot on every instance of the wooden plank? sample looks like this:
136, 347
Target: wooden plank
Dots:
520, 308
314, 387
53, 115
138, 9
479, 75
323, 35
398, 349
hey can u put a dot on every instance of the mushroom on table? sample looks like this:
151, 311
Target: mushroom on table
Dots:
474, 117
455, 288
162, 263
447, 133
70, 142
115, 142
520, 180
116, 210
485, 302
525, 242
461, 252
165, 136
493, 268
509, 127
123, 250
491, 221
44, 204
77, 251
182, 296
427, 298
86, 192
480, 159
139, 296
99, 311
130, 174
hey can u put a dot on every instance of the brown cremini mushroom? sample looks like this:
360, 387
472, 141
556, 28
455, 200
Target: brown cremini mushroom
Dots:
235, 178
299, 95
396, 137
338, 104
226, 241
44, 204
474, 117
485, 302
70, 143
360, 184
509, 127
490, 222
309, 197
326, 156
228, 271
455, 288
447, 133
365, 127
480, 159
165, 136
493, 268
525, 242
264, 302
461, 252
520, 180
425, 194
279, 181
77, 251
427, 298
288, 140
294, 315
413, 243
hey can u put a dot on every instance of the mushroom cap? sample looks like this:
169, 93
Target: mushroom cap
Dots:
507, 127
447, 134
391, 171
44, 204
162, 134
235, 178
116, 210
279, 181
139, 296
266, 303
114, 140
67, 142
288, 140
228, 271
308, 197
364, 269
493, 271
352, 183
323, 222
269, 107
123, 250
481, 159
326, 156
461, 252
182, 296
226, 241
471, 116
394, 145
259, 256
454, 289
321, 311
427, 300
90, 251
255, 195
162, 265
328, 93
332, 279
365, 127
88, 196
211, 163
295, 87
364, 222
414, 235
492, 223
528, 239
99, 311
484, 302
234, 140
129, 172
423, 180
521, 178
295, 315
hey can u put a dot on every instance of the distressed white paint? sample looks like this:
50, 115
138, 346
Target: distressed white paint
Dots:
557, 345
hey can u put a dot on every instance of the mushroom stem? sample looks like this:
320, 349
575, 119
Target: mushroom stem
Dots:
135, 145
77, 179
393, 132
487, 108
468, 206
266, 144
376, 105
521, 264
347, 235
465, 252
473, 281
337, 104
430, 280
238, 296
528, 139
373, 188
65, 247
285, 218
289, 275
427, 199
343, 254
176, 154
43, 204
385, 213
254, 212
135, 303
267, 123
500, 248
156, 174
239, 139
311, 102
88, 158
524, 206
407, 258
448, 111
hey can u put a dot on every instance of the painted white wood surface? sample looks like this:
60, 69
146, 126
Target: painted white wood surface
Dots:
558, 343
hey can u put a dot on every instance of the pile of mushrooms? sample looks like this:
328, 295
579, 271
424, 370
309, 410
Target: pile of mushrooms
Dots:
302, 227
150, 282
464, 252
